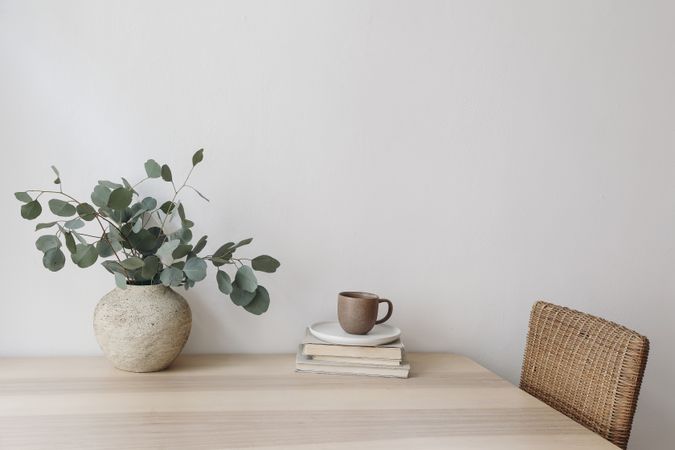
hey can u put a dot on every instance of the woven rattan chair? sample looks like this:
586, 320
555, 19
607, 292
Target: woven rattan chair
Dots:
586, 367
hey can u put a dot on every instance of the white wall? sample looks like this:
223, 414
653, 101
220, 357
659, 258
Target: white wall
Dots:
461, 158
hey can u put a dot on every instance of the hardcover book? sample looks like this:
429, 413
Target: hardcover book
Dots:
312, 346
304, 363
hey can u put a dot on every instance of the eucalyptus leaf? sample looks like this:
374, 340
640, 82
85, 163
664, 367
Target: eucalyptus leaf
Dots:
167, 207
86, 211
153, 169
132, 263
224, 251
100, 196
54, 259
47, 242
113, 267
181, 251
218, 261
171, 276
184, 235
166, 173
109, 184
165, 252
260, 303
58, 176
243, 242
181, 212
70, 242
224, 282
241, 297
149, 203
265, 263
120, 280
41, 226
195, 269
138, 225
61, 208
199, 246
198, 157
151, 266
245, 279
104, 248
31, 210
79, 237
23, 197
128, 185
74, 224
138, 212
120, 198
146, 240
85, 255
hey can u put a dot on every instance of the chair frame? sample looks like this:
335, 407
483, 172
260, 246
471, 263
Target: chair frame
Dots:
586, 367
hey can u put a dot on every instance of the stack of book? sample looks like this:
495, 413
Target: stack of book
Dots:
316, 356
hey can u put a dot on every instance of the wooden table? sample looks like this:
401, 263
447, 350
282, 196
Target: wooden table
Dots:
258, 401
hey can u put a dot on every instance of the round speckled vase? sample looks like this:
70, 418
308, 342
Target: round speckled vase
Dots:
142, 328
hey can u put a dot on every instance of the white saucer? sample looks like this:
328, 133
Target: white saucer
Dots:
332, 333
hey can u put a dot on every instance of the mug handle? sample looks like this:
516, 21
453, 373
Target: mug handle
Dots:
390, 309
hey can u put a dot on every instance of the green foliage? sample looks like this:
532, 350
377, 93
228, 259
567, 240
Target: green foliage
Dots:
199, 246
171, 276
86, 211
54, 259
31, 210
23, 197
120, 198
260, 303
195, 269
100, 196
85, 255
166, 173
148, 204
58, 176
151, 265
181, 251
198, 157
245, 279
127, 232
104, 248
224, 282
120, 280
265, 263
61, 208
240, 297
41, 226
132, 263
74, 224
152, 169
70, 242
47, 242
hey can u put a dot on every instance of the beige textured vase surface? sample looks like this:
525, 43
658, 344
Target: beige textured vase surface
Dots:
142, 328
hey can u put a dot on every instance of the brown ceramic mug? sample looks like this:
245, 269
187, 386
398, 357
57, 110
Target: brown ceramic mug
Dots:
357, 311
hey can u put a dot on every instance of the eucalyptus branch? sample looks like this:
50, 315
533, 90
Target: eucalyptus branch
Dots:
122, 217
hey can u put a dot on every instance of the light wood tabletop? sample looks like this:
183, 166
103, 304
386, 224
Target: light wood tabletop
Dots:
258, 401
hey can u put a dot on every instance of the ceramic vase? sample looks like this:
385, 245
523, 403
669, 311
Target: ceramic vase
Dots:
142, 328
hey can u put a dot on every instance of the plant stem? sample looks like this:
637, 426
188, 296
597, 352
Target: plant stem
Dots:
98, 218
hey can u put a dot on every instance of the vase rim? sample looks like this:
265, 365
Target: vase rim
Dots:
144, 285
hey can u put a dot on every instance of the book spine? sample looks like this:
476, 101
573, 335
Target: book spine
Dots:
352, 352
354, 371
358, 361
